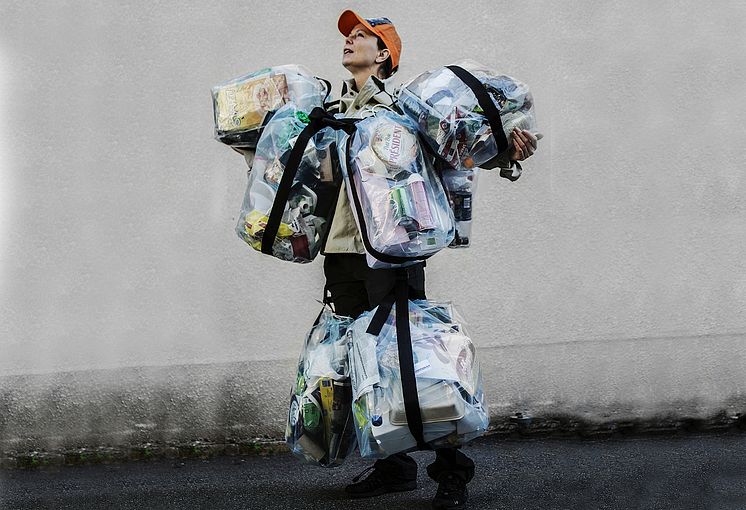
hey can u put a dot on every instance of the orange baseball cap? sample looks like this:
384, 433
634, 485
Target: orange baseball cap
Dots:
382, 27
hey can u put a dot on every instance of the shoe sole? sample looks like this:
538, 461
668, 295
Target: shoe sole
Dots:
384, 490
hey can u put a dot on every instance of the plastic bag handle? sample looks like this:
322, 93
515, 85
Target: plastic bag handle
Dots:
328, 85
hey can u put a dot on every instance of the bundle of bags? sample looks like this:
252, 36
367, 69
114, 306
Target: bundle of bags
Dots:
411, 180
348, 388
405, 208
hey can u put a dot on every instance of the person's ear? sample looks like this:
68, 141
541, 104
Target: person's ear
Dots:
382, 56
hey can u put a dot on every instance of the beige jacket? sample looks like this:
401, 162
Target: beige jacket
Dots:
344, 236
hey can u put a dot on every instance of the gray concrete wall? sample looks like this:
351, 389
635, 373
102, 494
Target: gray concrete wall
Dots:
609, 281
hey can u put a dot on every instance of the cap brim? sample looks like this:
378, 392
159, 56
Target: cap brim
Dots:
349, 20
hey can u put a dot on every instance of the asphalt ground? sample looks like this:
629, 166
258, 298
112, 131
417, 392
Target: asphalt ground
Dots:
705, 471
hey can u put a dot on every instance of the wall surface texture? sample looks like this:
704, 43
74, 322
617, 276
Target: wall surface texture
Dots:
609, 282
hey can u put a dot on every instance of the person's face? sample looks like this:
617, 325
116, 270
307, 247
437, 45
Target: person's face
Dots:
360, 49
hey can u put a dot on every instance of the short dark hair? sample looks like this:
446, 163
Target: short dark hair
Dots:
386, 70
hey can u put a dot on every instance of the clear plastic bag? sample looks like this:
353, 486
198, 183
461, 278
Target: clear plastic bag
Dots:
461, 188
244, 105
448, 377
320, 428
398, 201
312, 196
449, 116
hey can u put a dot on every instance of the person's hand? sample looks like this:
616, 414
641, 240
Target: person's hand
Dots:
524, 144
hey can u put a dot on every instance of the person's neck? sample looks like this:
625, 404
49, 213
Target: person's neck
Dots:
361, 76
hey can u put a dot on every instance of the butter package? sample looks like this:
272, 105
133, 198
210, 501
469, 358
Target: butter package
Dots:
320, 428
243, 106
456, 123
448, 380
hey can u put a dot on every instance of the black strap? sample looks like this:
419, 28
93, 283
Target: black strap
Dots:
332, 106
507, 173
319, 119
399, 297
382, 314
406, 362
485, 102
383, 257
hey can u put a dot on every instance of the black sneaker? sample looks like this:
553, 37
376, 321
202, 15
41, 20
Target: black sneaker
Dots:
452, 493
377, 483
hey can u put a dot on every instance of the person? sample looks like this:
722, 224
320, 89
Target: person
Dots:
371, 53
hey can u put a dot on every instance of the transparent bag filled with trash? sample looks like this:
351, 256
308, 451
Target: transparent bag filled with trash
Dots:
398, 201
451, 119
448, 378
320, 428
312, 194
461, 188
244, 105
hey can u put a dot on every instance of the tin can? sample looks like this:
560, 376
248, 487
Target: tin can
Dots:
461, 205
403, 210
